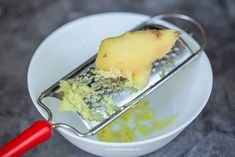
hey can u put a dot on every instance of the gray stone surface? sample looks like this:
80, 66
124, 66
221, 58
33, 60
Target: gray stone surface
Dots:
25, 23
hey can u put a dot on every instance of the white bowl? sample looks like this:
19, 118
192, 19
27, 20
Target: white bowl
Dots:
185, 95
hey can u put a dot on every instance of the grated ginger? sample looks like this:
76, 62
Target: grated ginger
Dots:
145, 124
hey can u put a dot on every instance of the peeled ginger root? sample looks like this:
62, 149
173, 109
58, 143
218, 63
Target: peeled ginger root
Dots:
133, 53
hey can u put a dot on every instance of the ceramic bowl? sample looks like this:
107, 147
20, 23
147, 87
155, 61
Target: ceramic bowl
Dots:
185, 95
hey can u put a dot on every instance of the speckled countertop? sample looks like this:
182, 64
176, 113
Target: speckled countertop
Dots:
25, 23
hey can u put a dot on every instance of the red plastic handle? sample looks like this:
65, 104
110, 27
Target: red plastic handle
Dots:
39, 132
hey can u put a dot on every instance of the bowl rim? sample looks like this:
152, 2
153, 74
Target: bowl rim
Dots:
116, 144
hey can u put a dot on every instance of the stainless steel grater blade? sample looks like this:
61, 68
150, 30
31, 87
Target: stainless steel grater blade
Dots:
179, 56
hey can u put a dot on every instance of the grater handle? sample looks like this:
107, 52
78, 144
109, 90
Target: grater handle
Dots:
37, 133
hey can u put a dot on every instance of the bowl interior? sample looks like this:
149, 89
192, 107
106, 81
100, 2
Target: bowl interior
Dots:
69, 46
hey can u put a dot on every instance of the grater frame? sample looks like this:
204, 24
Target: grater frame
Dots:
51, 90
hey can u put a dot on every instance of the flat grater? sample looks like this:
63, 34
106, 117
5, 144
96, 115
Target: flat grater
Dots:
165, 68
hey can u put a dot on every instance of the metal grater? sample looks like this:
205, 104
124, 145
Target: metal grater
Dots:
163, 69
